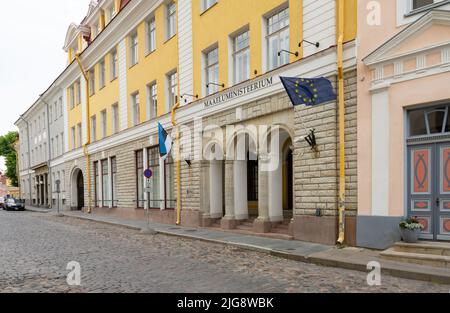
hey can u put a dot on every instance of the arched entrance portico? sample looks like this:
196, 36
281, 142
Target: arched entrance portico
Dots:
77, 189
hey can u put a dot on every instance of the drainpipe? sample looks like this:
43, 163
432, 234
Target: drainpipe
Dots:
341, 100
177, 138
88, 141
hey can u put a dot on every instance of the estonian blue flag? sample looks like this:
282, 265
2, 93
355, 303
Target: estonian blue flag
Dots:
308, 91
165, 142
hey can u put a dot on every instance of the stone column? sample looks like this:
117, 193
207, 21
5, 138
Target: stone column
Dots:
216, 192
275, 189
262, 223
228, 221
204, 193
240, 190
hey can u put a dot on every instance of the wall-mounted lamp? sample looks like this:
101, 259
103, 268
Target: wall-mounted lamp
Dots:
186, 94
317, 44
293, 53
215, 84
311, 140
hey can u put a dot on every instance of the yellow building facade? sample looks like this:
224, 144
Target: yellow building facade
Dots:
218, 62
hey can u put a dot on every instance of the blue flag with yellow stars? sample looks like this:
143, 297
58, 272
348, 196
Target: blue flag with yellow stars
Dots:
308, 91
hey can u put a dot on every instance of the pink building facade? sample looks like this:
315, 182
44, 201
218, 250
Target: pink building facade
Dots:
403, 119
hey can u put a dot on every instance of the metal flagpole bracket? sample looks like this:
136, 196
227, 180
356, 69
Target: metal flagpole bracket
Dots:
317, 44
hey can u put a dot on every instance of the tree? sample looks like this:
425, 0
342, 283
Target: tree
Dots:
7, 151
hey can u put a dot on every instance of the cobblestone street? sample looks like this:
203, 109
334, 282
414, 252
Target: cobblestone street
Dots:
35, 250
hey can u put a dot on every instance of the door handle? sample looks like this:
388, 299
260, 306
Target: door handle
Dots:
438, 202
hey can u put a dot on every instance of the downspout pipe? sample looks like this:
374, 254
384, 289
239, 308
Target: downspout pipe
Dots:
88, 130
341, 100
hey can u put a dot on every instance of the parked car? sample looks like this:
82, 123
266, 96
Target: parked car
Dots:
2, 202
14, 204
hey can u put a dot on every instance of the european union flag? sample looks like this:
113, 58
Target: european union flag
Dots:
308, 91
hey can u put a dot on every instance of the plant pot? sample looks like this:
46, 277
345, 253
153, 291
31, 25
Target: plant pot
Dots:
410, 236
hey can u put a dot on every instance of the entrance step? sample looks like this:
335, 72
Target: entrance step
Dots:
424, 253
282, 227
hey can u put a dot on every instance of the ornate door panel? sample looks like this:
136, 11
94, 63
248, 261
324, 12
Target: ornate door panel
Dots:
442, 212
421, 186
429, 189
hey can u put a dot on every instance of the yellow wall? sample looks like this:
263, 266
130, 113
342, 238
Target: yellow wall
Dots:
151, 67
226, 17
74, 117
104, 98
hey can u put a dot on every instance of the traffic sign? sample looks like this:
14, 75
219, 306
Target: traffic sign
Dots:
148, 173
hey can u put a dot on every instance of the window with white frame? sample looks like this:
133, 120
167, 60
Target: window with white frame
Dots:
135, 108
418, 4
93, 128
115, 118
92, 82
173, 89
206, 4
278, 39
57, 146
80, 135
72, 97
77, 92
105, 183
241, 57
111, 12
102, 73
171, 20
94, 30
60, 104
103, 123
114, 63
212, 71
72, 135
152, 100
151, 35
134, 55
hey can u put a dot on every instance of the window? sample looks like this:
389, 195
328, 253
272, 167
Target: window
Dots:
417, 4
241, 57
212, 71
115, 118
206, 4
102, 73
92, 82
77, 92
72, 134
103, 123
105, 184
72, 97
111, 12
140, 178
278, 39
170, 183
80, 135
96, 185
50, 116
60, 104
133, 49
93, 128
151, 35
173, 90
154, 200
432, 121
114, 181
94, 30
171, 20
135, 108
152, 100
52, 149
114, 64
56, 110
57, 146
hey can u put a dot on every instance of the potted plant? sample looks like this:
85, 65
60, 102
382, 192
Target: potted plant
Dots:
410, 230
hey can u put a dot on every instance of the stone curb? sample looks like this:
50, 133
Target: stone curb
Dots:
434, 275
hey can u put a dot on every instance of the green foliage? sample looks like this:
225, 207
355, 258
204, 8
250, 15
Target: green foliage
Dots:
7, 151
411, 224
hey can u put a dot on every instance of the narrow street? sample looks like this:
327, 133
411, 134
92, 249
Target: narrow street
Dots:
36, 248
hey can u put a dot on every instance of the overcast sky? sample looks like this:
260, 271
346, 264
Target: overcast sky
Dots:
31, 55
